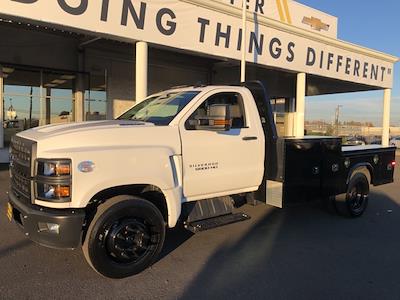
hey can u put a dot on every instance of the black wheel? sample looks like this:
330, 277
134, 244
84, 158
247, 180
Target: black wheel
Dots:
125, 237
355, 201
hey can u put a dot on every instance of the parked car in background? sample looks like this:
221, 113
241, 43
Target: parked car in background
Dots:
375, 140
354, 141
395, 141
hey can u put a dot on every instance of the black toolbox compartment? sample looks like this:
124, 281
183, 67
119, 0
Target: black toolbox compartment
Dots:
303, 163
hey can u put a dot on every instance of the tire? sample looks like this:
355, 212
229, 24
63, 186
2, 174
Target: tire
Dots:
354, 202
125, 237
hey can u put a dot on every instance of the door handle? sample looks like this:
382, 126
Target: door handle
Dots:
249, 138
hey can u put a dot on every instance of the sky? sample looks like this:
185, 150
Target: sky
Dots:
372, 24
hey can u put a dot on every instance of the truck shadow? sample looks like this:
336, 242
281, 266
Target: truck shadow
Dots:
301, 252
175, 237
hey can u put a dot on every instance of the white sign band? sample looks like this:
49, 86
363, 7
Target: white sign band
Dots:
185, 26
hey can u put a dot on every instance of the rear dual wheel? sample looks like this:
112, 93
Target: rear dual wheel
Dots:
354, 202
125, 237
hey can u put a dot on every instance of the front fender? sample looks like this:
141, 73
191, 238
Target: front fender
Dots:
117, 166
122, 167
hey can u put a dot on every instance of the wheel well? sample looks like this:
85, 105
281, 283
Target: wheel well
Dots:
147, 191
364, 170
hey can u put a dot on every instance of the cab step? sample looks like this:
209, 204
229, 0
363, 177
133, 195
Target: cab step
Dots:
211, 223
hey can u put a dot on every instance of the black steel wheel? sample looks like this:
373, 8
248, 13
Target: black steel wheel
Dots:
355, 201
125, 237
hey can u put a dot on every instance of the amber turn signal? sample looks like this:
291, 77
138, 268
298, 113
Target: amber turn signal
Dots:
63, 169
62, 191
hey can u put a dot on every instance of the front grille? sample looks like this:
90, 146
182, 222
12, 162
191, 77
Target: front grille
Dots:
21, 155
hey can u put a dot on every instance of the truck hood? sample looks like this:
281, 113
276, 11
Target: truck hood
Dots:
103, 134
47, 131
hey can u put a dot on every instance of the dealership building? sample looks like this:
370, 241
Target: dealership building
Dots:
74, 60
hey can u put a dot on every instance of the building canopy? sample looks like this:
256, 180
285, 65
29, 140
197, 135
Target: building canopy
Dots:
281, 34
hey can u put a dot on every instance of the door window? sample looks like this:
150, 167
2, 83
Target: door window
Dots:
236, 107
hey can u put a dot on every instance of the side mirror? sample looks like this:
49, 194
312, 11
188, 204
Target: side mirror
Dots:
217, 119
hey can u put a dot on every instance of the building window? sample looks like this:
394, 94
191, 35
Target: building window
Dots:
96, 98
57, 98
34, 97
21, 98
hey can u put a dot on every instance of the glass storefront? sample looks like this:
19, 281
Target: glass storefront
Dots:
96, 98
21, 101
35, 97
57, 98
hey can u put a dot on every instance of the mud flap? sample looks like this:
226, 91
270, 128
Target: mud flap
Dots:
274, 193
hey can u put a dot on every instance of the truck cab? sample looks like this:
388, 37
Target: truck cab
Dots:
114, 187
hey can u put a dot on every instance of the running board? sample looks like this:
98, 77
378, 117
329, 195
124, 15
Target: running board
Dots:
211, 223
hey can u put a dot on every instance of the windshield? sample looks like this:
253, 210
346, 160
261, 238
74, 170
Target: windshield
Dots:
160, 109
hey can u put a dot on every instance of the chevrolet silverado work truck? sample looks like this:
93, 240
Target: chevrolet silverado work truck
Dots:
179, 157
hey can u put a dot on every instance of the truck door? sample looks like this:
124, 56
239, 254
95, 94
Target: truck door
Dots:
223, 162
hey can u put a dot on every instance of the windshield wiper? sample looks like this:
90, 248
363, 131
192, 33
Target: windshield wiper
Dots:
141, 120
137, 119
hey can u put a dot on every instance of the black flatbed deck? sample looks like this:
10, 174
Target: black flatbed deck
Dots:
364, 148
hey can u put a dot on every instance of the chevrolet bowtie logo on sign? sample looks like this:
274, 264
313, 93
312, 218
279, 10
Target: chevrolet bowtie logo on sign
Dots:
316, 23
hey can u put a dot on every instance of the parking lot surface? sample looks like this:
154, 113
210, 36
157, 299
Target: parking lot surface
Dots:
296, 253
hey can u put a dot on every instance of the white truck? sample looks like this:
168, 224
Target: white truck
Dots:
115, 187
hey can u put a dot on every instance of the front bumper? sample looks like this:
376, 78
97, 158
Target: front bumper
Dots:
28, 217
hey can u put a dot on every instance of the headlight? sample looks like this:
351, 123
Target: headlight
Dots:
53, 180
54, 168
53, 192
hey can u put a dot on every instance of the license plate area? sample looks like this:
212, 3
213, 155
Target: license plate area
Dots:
13, 213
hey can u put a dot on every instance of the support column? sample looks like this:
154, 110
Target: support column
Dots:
42, 102
78, 114
289, 116
110, 102
1, 108
387, 93
79, 99
289, 122
244, 38
141, 71
300, 104
48, 106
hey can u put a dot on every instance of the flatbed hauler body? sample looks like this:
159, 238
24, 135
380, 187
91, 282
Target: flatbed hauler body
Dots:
303, 169
187, 155
314, 167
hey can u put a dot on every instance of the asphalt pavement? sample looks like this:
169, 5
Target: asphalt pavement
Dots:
296, 253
